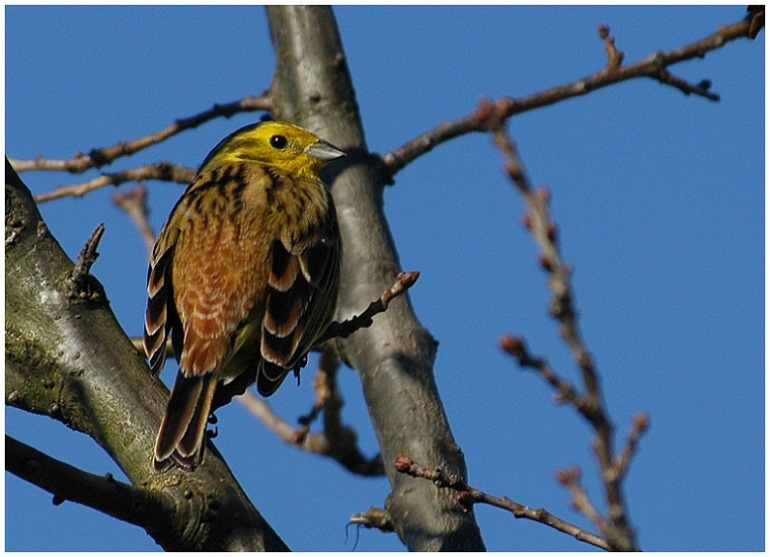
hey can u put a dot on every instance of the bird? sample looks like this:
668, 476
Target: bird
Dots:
243, 276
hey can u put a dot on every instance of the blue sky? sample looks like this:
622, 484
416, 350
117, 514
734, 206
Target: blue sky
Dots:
659, 198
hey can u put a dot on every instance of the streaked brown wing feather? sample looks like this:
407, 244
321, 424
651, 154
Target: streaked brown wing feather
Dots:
296, 316
160, 314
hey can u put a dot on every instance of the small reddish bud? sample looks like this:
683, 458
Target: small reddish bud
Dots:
466, 499
568, 475
545, 263
407, 279
604, 31
558, 398
526, 220
512, 171
402, 464
484, 110
550, 231
641, 421
513, 345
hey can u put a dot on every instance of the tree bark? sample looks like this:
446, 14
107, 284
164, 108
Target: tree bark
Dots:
394, 357
67, 357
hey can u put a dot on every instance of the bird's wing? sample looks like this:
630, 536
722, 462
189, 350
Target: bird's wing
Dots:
302, 291
160, 313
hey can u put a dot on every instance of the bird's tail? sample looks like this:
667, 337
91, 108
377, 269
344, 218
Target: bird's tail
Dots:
182, 431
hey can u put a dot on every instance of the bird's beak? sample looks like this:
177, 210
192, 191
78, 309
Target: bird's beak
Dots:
324, 151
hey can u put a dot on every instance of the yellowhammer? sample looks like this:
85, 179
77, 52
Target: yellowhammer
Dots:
244, 275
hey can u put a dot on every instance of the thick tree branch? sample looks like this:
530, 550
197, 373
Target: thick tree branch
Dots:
394, 357
147, 509
67, 357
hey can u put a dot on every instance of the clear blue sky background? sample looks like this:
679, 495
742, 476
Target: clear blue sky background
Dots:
660, 202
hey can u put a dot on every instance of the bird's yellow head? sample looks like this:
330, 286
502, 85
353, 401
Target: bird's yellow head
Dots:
277, 144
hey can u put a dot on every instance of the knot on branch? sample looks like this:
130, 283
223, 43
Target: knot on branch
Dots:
491, 115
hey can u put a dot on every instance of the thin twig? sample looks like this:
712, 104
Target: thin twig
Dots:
134, 204
653, 66
756, 19
404, 281
99, 157
337, 440
468, 496
570, 479
80, 283
614, 56
165, 171
617, 531
566, 392
639, 426
374, 518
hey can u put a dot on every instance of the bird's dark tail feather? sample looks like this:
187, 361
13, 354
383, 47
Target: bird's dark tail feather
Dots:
182, 431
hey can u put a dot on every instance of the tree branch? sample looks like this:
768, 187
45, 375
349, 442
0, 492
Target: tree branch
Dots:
165, 171
125, 502
394, 357
468, 496
337, 440
617, 530
101, 156
654, 67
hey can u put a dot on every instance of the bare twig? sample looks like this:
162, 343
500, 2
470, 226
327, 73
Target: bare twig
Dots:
654, 66
337, 440
404, 281
617, 530
373, 518
570, 479
165, 171
99, 157
614, 56
81, 284
639, 425
134, 204
468, 496
566, 392
538, 220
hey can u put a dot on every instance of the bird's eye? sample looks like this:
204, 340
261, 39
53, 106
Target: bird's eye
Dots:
278, 141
